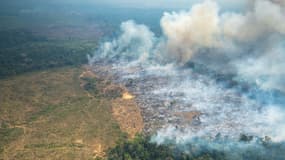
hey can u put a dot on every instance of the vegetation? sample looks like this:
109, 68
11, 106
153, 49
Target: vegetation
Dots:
90, 85
50, 115
142, 148
47, 111
21, 51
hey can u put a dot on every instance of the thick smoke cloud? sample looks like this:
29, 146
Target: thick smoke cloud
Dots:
249, 45
186, 32
252, 42
262, 20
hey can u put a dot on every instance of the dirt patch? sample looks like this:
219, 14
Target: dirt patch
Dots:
99, 151
124, 107
128, 114
189, 116
87, 73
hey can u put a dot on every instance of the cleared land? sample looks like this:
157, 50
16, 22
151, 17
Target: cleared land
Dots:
60, 114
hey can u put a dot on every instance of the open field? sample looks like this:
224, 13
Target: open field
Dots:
56, 114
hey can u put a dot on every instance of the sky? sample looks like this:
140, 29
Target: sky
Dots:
162, 3
158, 4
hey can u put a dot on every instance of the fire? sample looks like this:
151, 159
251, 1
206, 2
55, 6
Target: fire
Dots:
127, 96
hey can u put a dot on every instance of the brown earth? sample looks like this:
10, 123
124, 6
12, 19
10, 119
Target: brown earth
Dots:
124, 107
128, 114
54, 115
189, 116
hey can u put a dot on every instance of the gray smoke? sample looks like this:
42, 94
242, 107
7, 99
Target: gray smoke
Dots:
248, 45
251, 43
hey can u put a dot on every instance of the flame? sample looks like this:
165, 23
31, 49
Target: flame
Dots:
127, 96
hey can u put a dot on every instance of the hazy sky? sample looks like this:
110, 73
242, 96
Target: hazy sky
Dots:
185, 4
137, 3
163, 3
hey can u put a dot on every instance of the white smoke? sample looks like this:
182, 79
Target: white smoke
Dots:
186, 32
135, 42
263, 19
254, 36
267, 69
252, 43
276, 118
248, 42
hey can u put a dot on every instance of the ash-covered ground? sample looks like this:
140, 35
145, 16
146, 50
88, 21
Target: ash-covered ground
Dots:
212, 74
187, 101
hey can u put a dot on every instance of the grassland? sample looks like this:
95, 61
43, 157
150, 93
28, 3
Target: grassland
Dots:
47, 110
52, 115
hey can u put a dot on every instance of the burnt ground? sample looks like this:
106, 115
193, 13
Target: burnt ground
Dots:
191, 102
158, 110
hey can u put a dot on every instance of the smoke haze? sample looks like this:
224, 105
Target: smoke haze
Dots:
248, 45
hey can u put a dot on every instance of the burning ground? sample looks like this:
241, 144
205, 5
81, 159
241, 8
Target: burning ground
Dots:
192, 109
210, 78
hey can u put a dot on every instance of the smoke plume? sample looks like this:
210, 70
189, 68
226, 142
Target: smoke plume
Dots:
135, 42
249, 42
249, 45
